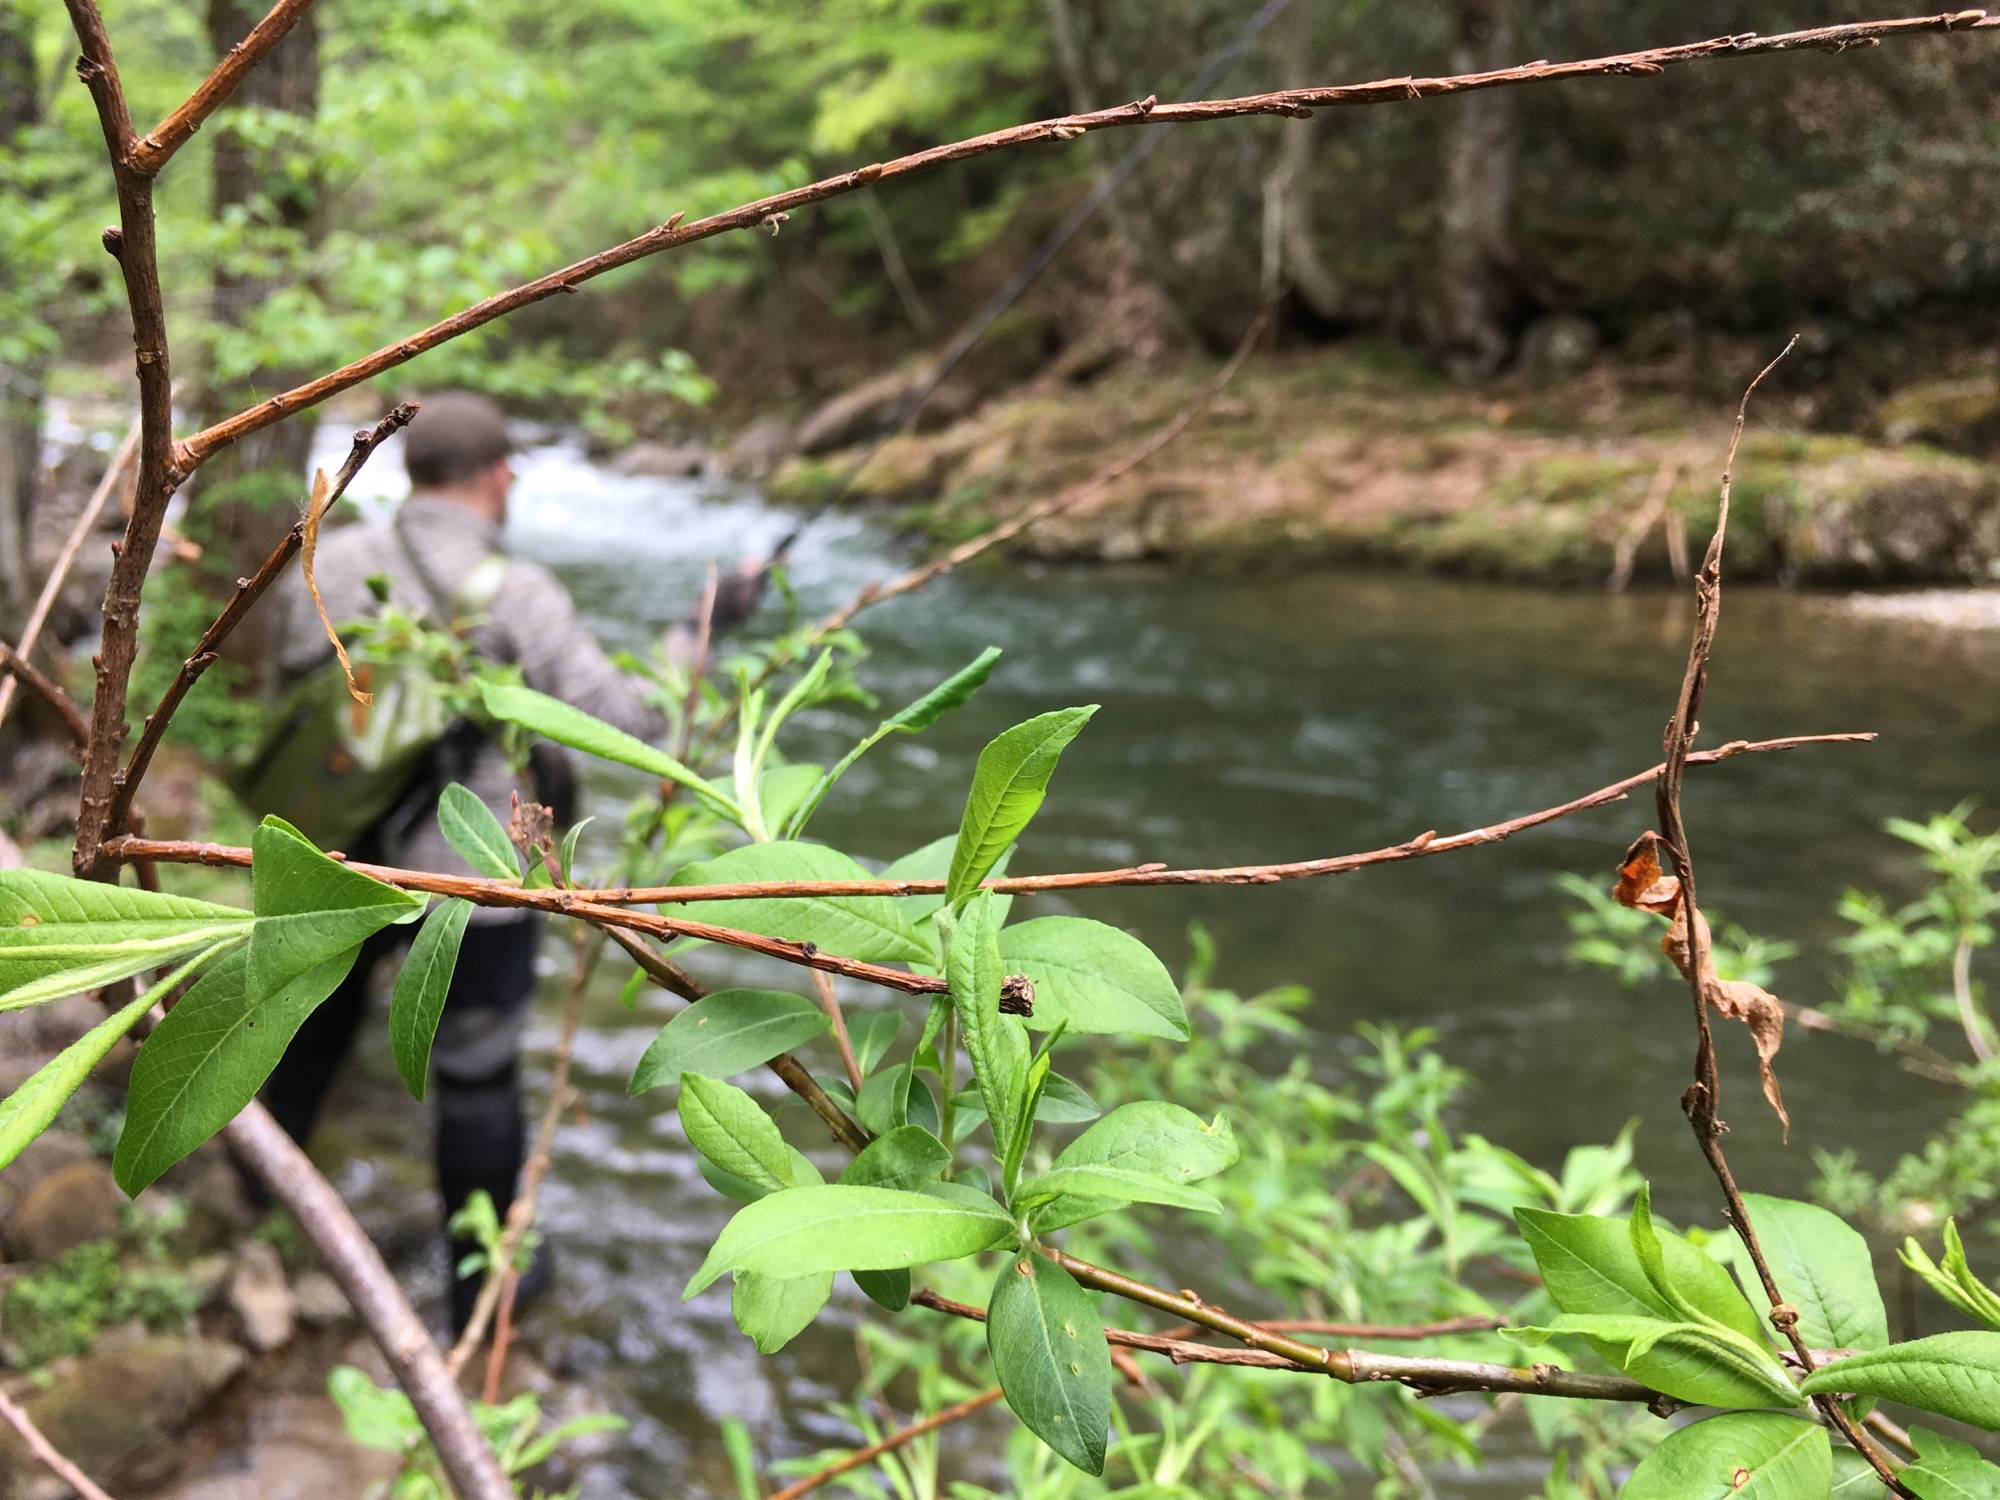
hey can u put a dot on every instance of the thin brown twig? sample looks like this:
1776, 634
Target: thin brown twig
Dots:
134, 245
17, 668
901, 1438
493, 892
1703, 1099
830, 1003
1291, 102
248, 592
1388, 1331
72, 544
1076, 494
152, 151
496, 1292
1273, 1351
51, 1456
676, 980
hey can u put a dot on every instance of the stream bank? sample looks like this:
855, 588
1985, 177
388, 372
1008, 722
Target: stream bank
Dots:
1362, 456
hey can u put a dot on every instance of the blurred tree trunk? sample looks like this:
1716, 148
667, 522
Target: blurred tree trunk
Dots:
1475, 305
20, 384
1294, 249
249, 493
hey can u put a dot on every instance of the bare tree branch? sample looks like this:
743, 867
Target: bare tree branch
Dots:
501, 893
355, 1263
248, 592
152, 151
901, 1438
673, 234
17, 668
72, 544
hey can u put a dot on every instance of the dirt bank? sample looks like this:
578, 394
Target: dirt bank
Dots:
1358, 456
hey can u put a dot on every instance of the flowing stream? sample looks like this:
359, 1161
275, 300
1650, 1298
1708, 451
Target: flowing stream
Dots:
1244, 721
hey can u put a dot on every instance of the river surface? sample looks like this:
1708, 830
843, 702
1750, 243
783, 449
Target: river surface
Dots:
1265, 719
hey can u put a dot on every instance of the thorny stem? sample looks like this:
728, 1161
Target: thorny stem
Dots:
1702, 1101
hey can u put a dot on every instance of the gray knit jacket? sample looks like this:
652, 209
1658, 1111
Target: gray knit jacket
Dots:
531, 621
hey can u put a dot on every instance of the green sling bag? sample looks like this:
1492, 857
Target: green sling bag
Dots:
333, 768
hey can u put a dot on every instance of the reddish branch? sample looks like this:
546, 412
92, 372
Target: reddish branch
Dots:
152, 152
248, 592
134, 247
1271, 1350
673, 234
51, 1456
588, 902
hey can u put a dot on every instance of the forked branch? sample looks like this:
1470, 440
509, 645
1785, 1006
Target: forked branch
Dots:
152, 151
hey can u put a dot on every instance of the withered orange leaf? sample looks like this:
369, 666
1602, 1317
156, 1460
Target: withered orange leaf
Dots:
1762, 1012
1640, 881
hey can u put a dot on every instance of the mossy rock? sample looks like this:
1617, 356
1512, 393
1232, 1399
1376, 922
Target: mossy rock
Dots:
1961, 413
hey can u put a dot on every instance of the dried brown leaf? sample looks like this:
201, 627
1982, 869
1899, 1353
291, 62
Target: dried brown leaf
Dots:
315, 509
1764, 1014
531, 826
1640, 881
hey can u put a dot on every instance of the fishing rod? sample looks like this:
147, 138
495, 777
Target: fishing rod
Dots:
1107, 183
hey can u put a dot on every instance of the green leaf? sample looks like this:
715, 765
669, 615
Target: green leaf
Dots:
1064, 1102
1953, 1374
729, 1128
872, 1033
781, 792
805, 1230
954, 692
554, 719
422, 985
894, 1097
309, 909
1824, 1269
207, 1060
745, 1191
1740, 1456
30, 1109
1091, 977
1589, 1266
1698, 1363
1115, 1183
908, 1157
59, 936
1854, 1478
1954, 1280
933, 862
997, 1044
376, 1416
1008, 785
470, 827
1047, 1342
728, 1032
886, 1289
1154, 1136
1947, 1469
871, 928
772, 1309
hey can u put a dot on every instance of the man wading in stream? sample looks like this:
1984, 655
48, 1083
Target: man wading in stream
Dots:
442, 558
